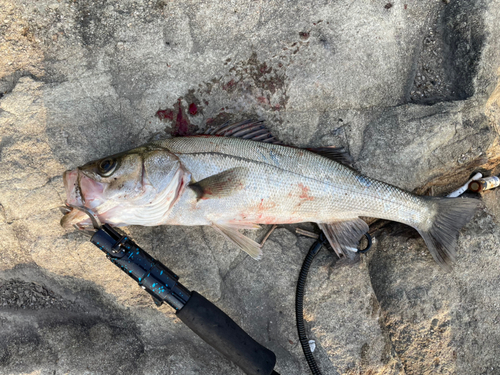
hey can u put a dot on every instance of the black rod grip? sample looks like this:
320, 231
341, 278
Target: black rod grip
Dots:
221, 332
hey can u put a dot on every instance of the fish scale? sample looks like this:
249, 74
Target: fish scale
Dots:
337, 192
232, 183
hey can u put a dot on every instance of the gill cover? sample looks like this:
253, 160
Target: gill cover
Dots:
135, 187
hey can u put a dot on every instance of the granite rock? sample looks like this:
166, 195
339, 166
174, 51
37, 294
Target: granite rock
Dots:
409, 88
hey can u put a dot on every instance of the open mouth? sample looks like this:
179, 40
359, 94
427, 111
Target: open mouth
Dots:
78, 202
74, 198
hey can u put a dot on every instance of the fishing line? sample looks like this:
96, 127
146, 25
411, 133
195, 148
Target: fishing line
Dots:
299, 298
200, 315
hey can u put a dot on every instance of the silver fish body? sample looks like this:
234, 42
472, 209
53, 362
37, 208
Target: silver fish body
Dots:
232, 183
280, 184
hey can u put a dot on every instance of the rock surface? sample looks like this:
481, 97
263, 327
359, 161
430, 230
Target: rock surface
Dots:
410, 88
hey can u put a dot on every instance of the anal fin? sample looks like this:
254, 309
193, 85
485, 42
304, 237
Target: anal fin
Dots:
344, 236
246, 244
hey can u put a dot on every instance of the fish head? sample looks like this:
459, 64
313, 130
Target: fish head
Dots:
120, 189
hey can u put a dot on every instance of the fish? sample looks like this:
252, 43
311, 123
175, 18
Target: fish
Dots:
239, 177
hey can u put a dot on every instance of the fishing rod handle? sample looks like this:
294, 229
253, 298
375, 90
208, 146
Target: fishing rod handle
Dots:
151, 275
200, 315
222, 333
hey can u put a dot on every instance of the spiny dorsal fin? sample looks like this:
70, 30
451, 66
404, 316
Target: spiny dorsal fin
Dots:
221, 185
257, 131
344, 236
249, 129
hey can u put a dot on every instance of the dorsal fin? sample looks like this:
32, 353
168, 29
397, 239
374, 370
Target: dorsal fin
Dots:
338, 154
249, 129
257, 131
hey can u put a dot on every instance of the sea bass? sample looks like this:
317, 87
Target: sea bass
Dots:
231, 183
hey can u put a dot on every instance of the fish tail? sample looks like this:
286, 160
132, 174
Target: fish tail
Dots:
441, 231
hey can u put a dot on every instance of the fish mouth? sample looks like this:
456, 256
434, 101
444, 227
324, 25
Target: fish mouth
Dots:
74, 216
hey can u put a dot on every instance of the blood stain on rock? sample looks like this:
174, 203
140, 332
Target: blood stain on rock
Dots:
304, 35
229, 86
166, 114
193, 109
181, 124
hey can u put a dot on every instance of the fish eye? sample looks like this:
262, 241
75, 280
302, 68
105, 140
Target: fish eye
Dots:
106, 167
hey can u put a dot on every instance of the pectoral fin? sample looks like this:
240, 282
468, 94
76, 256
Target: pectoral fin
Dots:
246, 244
221, 185
344, 236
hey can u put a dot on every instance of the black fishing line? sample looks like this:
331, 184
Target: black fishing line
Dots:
299, 303
299, 298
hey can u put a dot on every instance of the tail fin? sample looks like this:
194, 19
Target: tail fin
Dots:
451, 214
